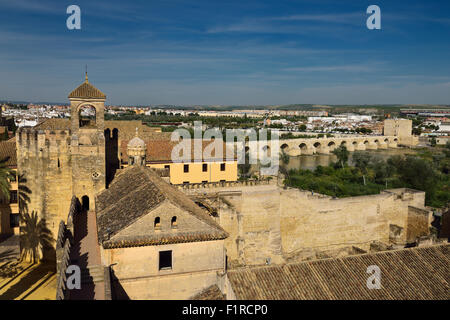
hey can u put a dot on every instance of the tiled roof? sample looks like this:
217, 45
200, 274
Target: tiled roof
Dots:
53, 124
416, 273
161, 150
211, 293
87, 90
8, 150
161, 239
134, 193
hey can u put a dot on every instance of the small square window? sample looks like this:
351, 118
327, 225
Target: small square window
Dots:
222, 167
165, 260
205, 167
167, 167
13, 196
186, 168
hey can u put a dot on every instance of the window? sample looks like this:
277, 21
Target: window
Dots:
167, 167
157, 223
165, 260
13, 196
14, 220
173, 222
205, 167
186, 168
185, 182
222, 167
205, 181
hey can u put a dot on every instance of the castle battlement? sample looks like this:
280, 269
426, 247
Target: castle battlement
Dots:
39, 143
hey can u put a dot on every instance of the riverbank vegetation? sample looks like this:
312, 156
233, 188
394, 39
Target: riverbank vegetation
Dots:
427, 170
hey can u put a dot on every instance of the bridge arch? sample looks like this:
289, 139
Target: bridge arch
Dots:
266, 149
284, 147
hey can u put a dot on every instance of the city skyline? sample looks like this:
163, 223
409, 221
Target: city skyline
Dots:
255, 53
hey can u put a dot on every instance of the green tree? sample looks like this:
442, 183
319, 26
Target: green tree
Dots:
361, 161
433, 142
342, 154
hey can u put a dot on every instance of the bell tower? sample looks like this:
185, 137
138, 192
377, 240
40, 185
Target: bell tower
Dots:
87, 105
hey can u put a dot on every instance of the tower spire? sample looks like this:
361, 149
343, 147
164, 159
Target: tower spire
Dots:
86, 75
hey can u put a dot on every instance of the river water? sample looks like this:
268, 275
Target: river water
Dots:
310, 162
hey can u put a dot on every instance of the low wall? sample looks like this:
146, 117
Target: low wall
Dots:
270, 224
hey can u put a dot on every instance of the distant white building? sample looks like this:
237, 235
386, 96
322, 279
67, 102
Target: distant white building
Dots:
444, 127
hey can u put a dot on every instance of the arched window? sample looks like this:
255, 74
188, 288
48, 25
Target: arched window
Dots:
157, 224
87, 116
173, 222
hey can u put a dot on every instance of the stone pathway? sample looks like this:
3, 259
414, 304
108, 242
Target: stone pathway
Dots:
86, 254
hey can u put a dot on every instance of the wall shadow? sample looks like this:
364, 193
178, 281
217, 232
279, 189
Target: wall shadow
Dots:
111, 154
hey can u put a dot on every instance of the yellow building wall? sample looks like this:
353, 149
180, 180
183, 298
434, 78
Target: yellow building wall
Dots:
196, 174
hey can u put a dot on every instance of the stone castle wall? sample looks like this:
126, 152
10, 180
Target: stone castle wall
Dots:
267, 223
44, 159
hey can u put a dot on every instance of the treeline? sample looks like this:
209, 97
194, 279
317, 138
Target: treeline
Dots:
164, 117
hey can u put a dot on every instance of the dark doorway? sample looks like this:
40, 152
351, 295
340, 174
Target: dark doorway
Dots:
85, 202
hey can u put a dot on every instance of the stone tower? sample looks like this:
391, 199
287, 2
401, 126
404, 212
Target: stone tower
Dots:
87, 126
136, 150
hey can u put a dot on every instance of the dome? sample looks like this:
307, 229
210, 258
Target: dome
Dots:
136, 142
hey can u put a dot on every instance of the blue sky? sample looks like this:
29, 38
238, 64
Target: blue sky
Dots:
228, 52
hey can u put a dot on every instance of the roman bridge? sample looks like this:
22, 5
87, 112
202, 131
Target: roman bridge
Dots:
310, 146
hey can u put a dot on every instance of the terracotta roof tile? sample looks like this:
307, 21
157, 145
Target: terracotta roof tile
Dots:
134, 193
407, 274
8, 150
211, 293
161, 150
87, 90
